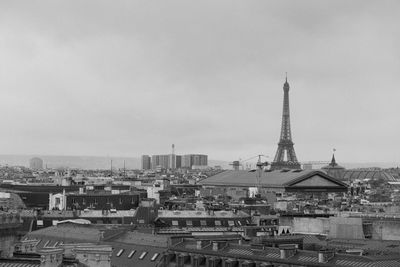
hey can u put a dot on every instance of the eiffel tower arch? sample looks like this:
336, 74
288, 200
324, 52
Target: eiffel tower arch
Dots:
285, 157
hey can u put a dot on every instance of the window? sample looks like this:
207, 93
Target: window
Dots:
175, 223
189, 223
143, 255
203, 223
131, 254
120, 252
47, 242
239, 222
120, 200
217, 223
95, 201
231, 223
155, 256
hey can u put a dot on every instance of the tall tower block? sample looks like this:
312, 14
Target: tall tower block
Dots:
285, 157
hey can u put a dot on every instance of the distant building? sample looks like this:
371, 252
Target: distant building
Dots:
160, 161
146, 162
194, 159
334, 169
172, 161
178, 160
36, 163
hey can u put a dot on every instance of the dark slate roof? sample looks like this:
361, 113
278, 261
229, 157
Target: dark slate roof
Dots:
272, 179
302, 257
18, 263
131, 255
75, 233
370, 246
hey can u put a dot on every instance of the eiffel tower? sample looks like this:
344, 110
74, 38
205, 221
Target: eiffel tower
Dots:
285, 145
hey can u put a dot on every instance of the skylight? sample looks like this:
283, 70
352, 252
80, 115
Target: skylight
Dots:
131, 254
143, 255
120, 252
155, 256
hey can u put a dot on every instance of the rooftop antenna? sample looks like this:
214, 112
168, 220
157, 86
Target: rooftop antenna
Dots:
111, 169
124, 169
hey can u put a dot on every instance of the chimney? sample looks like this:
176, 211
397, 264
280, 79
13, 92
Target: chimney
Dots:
324, 255
287, 250
215, 246
51, 257
199, 244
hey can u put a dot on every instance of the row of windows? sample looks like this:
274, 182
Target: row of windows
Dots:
141, 257
189, 223
74, 201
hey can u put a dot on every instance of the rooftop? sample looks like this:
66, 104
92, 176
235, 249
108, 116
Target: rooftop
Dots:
269, 254
368, 174
272, 179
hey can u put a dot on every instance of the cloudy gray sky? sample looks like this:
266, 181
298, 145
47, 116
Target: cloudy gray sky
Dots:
124, 78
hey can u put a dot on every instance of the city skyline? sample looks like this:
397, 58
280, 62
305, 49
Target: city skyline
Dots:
127, 79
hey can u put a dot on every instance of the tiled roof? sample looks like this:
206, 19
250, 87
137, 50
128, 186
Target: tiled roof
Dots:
141, 239
273, 179
371, 246
135, 255
8, 263
364, 174
301, 257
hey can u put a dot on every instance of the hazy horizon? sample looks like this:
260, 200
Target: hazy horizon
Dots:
103, 162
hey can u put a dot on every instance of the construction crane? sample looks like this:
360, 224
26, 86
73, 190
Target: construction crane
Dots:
237, 163
309, 164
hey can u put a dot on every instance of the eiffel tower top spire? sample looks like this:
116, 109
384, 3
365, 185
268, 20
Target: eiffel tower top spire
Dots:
285, 157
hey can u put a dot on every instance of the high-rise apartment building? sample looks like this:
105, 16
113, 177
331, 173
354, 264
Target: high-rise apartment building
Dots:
172, 161
190, 160
160, 160
178, 160
146, 162
36, 163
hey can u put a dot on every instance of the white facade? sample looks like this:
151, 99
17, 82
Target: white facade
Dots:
57, 201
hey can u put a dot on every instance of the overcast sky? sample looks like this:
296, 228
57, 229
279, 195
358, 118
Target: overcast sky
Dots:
125, 78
